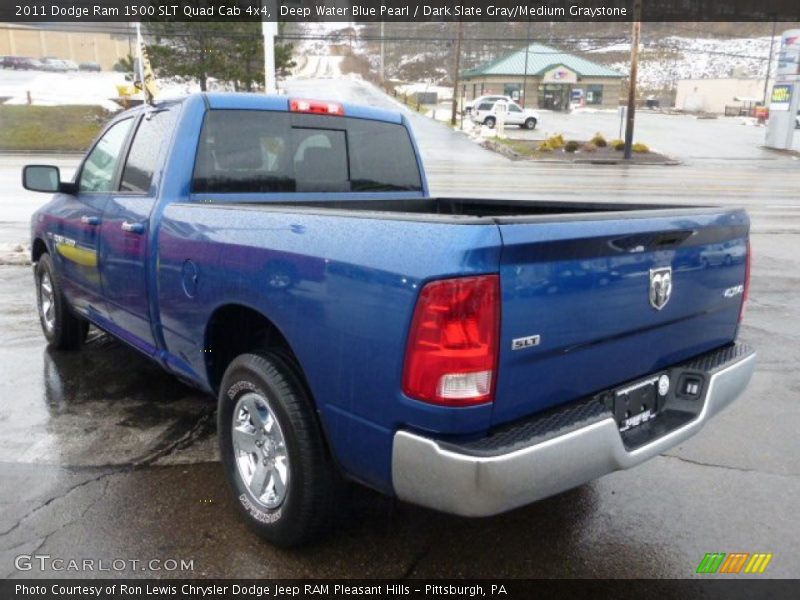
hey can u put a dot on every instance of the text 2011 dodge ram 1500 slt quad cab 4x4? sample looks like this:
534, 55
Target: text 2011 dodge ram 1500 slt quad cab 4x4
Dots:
469, 355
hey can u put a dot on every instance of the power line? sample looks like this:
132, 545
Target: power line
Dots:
345, 38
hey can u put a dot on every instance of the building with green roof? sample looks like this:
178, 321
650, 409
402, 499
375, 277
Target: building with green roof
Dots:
553, 80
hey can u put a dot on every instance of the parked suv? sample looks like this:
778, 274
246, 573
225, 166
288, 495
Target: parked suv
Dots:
480, 99
485, 113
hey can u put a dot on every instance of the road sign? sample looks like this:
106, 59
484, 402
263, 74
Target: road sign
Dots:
784, 101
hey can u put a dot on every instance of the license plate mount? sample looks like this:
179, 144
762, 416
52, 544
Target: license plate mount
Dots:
636, 404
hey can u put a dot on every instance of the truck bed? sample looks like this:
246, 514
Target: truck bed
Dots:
575, 276
476, 210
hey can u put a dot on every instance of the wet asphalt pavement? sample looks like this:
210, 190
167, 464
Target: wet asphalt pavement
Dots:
104, 456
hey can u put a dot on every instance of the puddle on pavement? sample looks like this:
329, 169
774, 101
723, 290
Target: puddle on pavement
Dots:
102, 405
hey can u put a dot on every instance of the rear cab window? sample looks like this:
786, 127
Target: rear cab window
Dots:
251, 151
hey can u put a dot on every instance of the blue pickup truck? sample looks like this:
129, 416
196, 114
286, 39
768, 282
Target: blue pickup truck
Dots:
468, 355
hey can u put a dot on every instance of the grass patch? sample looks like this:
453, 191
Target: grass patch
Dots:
50, 128
519, 146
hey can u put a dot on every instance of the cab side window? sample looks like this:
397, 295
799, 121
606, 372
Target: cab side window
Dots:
97, 174
152, 134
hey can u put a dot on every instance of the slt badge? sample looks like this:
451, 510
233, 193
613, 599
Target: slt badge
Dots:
660, 287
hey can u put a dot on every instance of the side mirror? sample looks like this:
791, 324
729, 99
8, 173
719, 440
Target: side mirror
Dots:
45, 178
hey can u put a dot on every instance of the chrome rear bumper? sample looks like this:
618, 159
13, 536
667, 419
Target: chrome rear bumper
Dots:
437, 475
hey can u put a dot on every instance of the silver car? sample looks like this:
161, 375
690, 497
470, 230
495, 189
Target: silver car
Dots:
54, 65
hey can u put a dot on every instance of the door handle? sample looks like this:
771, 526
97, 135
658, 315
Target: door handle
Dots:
132, 227
87, 220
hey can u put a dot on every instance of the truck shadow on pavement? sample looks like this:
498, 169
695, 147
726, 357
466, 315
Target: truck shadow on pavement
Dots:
115, 416
114, 407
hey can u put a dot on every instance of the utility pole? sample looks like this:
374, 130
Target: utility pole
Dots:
525, 74
636, 33
383, 55
457, 76
269, 29
769, 62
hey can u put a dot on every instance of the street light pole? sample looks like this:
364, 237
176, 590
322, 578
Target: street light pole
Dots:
635, 38
383, 54
269, 29
769, 61
525, 74
457, 76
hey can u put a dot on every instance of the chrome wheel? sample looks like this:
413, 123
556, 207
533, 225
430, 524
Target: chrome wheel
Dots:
47, 302
260, 450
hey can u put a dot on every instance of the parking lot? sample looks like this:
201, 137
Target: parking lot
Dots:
104, 456
686, 137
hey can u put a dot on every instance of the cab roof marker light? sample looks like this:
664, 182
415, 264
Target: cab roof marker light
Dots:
317, 107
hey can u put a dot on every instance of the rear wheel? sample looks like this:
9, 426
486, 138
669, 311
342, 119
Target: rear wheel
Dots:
61, 327
273, 451
490, 122
530, 123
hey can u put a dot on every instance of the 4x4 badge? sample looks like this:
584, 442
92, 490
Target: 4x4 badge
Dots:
660, 287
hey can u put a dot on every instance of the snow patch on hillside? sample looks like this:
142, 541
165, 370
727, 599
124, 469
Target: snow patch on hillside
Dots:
329, 33
663, 63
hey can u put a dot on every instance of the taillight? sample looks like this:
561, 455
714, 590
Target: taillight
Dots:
746, 293
451, 357
319, 107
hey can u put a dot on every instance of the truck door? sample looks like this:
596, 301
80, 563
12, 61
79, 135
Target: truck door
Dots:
127, 235
75, 235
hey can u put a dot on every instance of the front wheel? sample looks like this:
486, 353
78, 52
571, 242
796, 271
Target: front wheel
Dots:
490, 122
530, 123
61, 327
273, 451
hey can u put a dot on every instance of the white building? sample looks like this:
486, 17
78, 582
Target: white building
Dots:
714, 95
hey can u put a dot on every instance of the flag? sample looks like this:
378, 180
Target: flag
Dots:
146, 77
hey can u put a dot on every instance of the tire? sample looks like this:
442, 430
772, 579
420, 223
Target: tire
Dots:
529, 123
490, 122
62, 328
297, 488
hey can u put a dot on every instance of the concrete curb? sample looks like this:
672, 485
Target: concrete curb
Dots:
41, 152
782, 152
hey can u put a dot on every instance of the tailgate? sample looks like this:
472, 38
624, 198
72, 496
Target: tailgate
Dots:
592, 303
